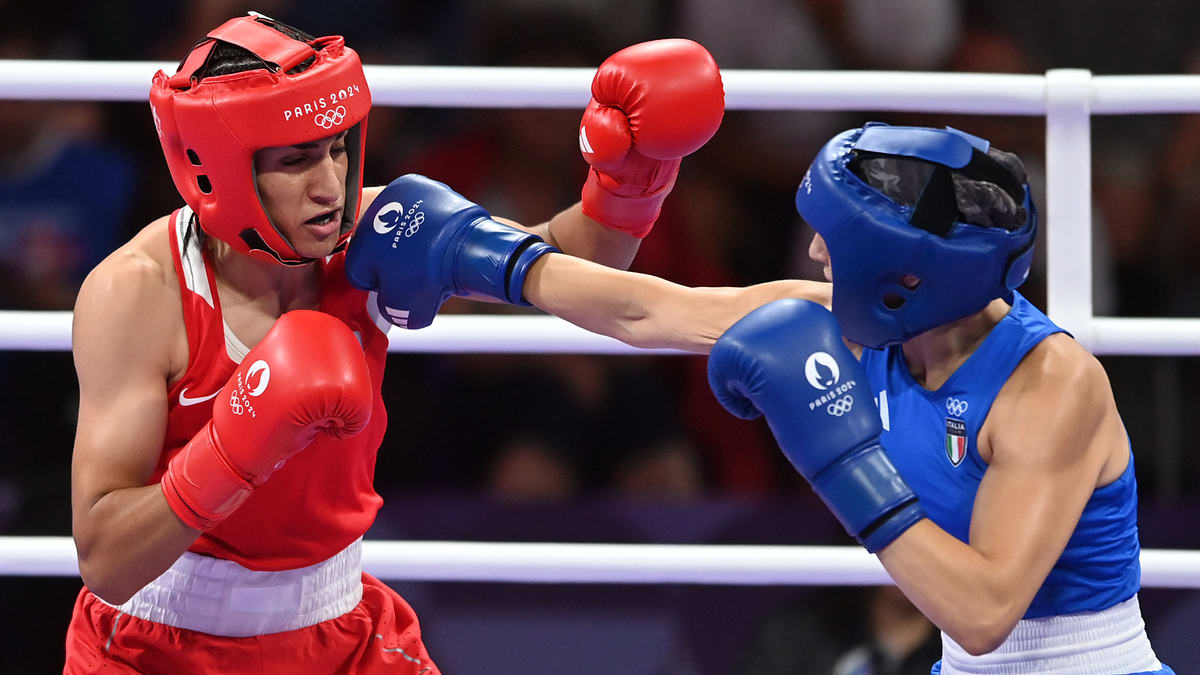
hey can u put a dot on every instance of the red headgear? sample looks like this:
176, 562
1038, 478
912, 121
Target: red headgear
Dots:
210, 128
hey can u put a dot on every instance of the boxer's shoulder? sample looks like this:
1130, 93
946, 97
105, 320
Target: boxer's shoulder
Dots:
1056, 363
135, 289
145, 261
1059, 390
368, 197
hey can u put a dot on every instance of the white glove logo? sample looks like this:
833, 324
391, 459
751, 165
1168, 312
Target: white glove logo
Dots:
259, 366
822, 370
157, 122
388, 217
584, 146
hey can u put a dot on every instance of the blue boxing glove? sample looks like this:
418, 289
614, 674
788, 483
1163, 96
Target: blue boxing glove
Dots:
421, 242
786, 360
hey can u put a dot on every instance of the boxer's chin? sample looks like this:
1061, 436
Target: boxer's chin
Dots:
308, 245
315, 240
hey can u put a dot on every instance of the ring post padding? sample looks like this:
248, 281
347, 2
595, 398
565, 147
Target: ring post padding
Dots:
1069, 93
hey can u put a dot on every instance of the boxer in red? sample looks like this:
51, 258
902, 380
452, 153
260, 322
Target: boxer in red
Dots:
230, 406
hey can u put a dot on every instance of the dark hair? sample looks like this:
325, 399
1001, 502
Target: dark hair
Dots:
193, 229
226, 58
978, 201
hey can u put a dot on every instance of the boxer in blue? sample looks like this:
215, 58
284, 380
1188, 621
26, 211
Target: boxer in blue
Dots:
994, 479
992, 475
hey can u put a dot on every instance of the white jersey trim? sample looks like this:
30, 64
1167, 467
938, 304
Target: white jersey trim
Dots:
195, 277
234, 347
1088, 643
220, 597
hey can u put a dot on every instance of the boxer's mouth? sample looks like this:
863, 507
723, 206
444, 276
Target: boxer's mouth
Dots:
323, 218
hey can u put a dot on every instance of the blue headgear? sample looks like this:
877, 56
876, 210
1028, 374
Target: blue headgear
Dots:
874, 241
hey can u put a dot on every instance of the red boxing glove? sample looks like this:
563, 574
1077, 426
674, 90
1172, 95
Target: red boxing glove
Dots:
307, 376
652, 103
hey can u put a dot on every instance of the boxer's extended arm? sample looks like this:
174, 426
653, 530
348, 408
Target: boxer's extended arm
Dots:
419, 243
125, 318
646, 311
1054, 434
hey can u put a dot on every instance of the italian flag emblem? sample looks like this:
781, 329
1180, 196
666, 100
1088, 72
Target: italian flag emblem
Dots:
956, 440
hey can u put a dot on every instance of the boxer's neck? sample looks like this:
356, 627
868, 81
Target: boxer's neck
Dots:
934, 355
266, 282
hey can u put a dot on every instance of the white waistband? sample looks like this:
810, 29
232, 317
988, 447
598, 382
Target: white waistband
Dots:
1089, 643
220, 597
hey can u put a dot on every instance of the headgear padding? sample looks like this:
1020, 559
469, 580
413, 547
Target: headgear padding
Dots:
949, 214
210, 128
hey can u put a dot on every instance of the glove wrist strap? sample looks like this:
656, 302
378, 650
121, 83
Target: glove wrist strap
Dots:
199, 484
633, 214
868, 496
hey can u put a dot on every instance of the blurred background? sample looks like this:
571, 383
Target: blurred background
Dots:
610, 449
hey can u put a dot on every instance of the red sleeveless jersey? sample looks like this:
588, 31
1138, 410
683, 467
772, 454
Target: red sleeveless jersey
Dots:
324, 497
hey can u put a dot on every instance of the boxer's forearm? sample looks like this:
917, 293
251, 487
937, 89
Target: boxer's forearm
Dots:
645, 311
965, 593
127, 539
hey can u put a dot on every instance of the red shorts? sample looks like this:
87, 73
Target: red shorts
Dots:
380, 635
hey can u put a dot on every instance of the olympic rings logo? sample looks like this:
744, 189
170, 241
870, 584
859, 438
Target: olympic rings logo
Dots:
414, 225
330, 119
956, 407
235, 405
841, 406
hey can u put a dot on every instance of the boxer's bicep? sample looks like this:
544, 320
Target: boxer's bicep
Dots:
1045, 437
1055, 429
120, 342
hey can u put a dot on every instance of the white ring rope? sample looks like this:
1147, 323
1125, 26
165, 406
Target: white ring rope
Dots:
490, 334
1067, 98
603, 563
488, 87
450, 333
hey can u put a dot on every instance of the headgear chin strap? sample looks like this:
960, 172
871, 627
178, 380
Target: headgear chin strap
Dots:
874, 242
210, 128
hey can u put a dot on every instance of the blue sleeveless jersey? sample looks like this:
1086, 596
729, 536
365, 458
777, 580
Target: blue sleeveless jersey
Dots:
931, 438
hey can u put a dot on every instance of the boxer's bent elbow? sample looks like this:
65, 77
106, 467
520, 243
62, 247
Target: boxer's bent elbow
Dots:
104, 578
983, 628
